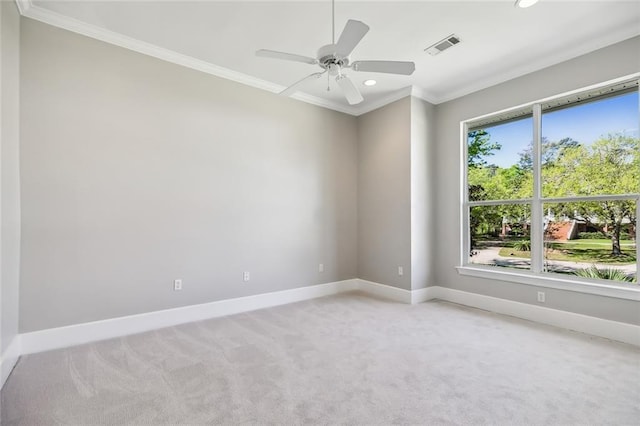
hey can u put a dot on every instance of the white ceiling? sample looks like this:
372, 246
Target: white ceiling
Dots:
499, 41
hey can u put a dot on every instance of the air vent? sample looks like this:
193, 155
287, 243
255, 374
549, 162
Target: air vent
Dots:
442, 45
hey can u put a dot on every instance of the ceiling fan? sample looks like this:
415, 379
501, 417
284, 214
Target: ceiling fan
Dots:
334, 60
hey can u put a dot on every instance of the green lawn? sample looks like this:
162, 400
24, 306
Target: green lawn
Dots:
596, 244
592, 251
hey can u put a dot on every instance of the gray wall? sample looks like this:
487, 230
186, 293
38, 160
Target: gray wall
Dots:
395, 193
136, 172
10, 179
384, 194
423, 185
602, 65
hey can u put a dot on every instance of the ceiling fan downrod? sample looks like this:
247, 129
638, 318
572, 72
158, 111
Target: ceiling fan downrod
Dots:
333, 21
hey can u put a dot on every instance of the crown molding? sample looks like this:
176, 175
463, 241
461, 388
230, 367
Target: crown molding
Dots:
29, 10
385, 100
425, 95
324, 103
23, 6
593, 44
414, 91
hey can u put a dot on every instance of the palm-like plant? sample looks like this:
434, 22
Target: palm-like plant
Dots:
522, 245
605, 274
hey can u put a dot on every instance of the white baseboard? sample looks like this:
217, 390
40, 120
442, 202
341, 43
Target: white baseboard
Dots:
385, 291
61, 337
395, 293
423, 295
614, 330
9, 358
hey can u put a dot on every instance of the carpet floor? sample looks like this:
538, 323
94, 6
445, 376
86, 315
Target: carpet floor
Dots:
344, 359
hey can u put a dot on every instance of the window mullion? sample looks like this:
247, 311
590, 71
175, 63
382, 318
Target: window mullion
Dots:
537, 238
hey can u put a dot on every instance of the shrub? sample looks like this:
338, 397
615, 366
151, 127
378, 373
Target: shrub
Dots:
591, 235
624, 235
605, 274
522, 245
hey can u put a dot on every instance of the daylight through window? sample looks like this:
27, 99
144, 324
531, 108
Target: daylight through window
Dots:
554, 187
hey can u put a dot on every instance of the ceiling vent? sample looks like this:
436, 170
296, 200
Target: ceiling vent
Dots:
442, 45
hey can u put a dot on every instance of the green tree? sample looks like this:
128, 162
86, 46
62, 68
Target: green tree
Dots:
551, 151
611, 165
499, 183
490, 182
479, 146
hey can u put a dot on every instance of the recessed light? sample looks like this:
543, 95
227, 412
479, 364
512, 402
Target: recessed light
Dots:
525, 3
369, 83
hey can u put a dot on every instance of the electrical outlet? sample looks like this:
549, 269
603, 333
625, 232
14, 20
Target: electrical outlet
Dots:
541, 297
400, 270
321, 267
246, 276
177, 285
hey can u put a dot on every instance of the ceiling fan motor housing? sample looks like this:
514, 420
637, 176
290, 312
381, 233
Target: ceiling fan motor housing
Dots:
327, 57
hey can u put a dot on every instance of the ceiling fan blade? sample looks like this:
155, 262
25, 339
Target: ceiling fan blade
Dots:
350, 37
389, 67
286, 56
349, 90
294, 87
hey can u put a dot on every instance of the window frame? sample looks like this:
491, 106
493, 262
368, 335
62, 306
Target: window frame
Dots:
536, 275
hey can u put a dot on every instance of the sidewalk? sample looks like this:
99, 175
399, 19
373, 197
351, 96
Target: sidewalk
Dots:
491, 256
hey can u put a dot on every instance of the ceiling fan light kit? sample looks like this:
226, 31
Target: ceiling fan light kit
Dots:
334, 60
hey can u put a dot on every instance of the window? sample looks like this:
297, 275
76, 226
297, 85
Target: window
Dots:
552, 189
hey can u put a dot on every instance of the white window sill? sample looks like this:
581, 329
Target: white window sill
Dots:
602, 288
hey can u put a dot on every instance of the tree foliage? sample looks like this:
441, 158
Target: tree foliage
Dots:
609, 166
480, 176
500, 183
490, 182
551, 151
480, 146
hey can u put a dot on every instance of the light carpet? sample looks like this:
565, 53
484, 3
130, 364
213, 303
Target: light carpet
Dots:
344, 359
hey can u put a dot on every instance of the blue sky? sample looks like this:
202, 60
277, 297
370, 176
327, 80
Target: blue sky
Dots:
584, 123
